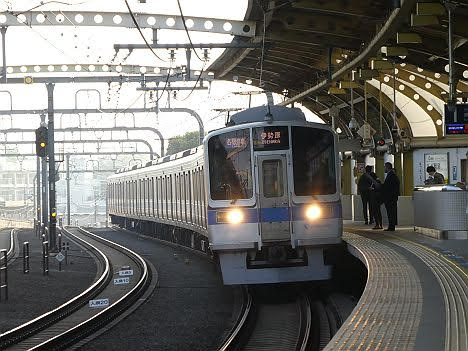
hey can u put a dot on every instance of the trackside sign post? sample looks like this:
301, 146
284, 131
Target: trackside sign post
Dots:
99, 303
126, 272
120, 281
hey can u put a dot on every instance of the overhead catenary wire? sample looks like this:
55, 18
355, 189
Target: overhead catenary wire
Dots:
186, 30
140, 31
196, 83
47, 3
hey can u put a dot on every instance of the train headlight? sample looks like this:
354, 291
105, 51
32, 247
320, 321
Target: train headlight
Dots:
313, 212
234, 216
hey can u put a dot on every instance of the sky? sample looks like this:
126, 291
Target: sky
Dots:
75, 45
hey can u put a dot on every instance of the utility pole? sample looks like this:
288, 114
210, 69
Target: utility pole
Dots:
51, 152
68, 188
38, 191
45, 192
4, 68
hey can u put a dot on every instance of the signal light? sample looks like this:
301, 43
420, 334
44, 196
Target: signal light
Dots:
42, 138
381, 142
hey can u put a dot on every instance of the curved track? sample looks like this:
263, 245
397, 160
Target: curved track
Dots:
296, 324
74, 320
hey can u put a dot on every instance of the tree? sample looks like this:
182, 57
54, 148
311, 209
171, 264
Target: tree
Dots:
182, 142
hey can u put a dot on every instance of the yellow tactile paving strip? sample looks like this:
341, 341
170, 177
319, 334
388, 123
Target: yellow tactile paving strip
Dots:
454, 285
388, 314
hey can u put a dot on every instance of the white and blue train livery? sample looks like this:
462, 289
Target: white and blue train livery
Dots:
261, 194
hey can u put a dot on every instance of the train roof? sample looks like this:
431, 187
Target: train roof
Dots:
265, 113
162, 160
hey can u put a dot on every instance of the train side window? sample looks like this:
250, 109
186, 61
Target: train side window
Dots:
190, 202
197, 197
186, 195
166, 184
171, 194
143, 196
182, 197
146, 196
152, 196
203, 200
158, 196
176, 197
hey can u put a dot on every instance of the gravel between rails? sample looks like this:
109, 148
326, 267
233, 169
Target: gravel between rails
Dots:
33, 294
190, 310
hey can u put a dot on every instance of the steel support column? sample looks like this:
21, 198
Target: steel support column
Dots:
4, 68
68, 187
51, 152
38, 191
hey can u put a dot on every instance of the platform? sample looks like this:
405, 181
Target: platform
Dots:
415, 297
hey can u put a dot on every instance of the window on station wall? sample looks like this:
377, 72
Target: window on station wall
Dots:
230, 166
313, 161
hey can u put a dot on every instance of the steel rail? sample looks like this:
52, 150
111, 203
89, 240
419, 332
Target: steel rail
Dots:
241, 324
253, 329
99, 320
18, 334
11, 250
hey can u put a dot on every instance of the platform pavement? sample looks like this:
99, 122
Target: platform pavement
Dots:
437, 266
33, 294
455, 250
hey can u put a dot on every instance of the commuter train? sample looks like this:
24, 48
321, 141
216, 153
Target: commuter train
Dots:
262, 195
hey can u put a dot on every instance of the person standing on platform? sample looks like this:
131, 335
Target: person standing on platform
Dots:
390, 193
434, 177
376, 200
364, 185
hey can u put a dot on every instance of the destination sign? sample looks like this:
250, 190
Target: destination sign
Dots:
270, 138
236, 142
457, 129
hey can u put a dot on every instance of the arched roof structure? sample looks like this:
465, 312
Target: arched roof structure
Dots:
312, 45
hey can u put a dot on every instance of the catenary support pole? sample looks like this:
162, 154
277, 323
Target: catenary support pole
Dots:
38, 192
4, 68
68, 188
51, 152
44, 211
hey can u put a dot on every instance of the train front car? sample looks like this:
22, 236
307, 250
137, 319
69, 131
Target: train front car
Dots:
273, 196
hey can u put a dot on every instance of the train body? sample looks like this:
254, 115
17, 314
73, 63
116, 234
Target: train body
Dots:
262, 194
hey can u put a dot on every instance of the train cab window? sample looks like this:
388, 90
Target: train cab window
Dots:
273, 178
230, 165
313, 161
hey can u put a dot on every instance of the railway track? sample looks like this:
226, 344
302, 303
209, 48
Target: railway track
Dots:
12, 249
297, 324
76, 319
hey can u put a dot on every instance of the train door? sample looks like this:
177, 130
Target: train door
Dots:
273, 198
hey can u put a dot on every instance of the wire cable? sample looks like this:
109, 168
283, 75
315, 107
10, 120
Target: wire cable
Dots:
141, 33
186, 29
196, 83
47, 3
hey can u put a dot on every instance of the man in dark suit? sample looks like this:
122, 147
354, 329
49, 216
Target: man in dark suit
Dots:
364, 185
390, 193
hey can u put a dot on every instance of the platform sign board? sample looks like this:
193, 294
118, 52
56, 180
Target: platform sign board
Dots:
439, 162
456, 119
121, 281
99, 303
59, 257
126, 272
366, 131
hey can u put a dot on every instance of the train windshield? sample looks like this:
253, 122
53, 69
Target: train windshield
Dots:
230, 166
313, 161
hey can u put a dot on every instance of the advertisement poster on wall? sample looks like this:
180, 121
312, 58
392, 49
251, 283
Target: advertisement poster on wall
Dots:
439, 162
